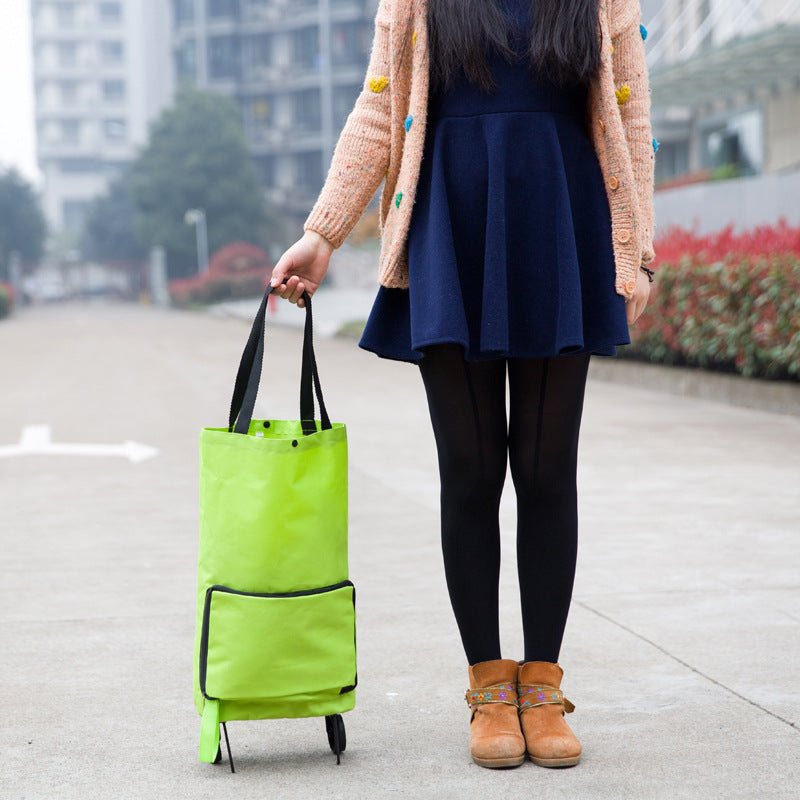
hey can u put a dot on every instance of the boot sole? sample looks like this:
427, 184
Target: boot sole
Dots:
499, 763
555, 762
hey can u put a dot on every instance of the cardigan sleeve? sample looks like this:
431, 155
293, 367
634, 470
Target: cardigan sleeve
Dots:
630, 70
361, 155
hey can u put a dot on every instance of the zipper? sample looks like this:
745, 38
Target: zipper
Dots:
227, 590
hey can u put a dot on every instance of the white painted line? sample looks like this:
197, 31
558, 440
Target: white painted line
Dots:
36, 440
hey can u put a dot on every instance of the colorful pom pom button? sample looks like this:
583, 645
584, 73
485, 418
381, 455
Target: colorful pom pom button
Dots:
630, 285
407, 124
623, 93
397, 198
643, 31
414, 39
378, 83
655, 145
624, 236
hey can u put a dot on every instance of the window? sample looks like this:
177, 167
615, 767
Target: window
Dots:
75, 213
348, 43
223, 57
308, 169
186, 61
113, 169
258, 9
672, 159
67, 54
183, 10
736, 143
115, 130
65, 14
259, 118
223, 8
344, 98
307, 109
110, 13
78, 166
70, 131
69, 92
112, 52
114, 91
257, 57
305, 48
260, 109
266, 170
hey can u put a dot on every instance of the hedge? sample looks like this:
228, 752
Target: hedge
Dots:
725, 302
235, 271
6, 299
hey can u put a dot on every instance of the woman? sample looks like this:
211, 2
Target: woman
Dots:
518, 133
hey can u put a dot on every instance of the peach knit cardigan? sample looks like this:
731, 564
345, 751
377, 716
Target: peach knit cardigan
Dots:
384, 137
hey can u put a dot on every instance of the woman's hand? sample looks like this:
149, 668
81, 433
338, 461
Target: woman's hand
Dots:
304, 264
635, 304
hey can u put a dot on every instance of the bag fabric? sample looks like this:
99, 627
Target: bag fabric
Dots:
275, 630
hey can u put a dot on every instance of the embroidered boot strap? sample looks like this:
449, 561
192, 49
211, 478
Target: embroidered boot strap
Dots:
499, 693
531, 695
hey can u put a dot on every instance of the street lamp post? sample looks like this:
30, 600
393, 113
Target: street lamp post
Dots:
197, 217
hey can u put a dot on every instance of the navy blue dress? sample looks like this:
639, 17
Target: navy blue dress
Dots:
509, 246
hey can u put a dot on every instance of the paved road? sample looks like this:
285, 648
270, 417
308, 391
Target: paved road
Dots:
682, 651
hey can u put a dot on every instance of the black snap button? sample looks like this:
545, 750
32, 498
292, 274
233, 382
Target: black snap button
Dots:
266, 423
294, 442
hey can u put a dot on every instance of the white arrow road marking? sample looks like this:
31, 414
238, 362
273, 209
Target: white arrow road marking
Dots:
35, 440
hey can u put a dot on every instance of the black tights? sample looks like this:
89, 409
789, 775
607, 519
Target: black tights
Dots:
467, 402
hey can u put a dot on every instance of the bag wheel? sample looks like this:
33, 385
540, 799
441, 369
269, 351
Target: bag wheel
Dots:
337, 739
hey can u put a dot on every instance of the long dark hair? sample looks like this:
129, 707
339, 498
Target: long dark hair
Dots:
564, 41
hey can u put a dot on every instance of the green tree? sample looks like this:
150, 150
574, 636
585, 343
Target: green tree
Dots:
110, 232
197, 158
22, 224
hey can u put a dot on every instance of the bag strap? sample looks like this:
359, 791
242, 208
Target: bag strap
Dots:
249, 375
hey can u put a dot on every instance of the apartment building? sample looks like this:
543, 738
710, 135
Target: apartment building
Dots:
725, 82
101, 73
294, 66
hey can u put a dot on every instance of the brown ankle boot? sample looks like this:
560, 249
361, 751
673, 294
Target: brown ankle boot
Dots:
542, 704
495, 738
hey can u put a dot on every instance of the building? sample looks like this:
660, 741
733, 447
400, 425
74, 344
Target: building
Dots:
725, 83
295, 67
101, 73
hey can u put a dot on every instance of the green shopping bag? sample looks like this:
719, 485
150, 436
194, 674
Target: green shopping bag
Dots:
275, 632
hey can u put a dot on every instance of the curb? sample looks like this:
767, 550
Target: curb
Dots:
777, 397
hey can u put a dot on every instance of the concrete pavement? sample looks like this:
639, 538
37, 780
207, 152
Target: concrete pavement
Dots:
682, 652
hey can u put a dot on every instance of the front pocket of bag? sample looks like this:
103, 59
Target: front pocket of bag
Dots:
260, 646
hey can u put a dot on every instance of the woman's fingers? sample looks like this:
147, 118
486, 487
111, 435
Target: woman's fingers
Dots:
292, 290
637, 302
281, 271
633, 308
301, 268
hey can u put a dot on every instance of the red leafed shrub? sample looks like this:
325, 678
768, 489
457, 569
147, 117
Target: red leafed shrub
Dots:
6, 299
764, 240
236, 270
725, 301
239, 258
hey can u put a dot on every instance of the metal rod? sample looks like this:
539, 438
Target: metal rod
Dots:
228, 746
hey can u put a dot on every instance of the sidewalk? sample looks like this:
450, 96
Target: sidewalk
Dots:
682, 650
336, 309
333, 308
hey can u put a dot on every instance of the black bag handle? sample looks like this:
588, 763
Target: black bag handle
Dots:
249, 375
